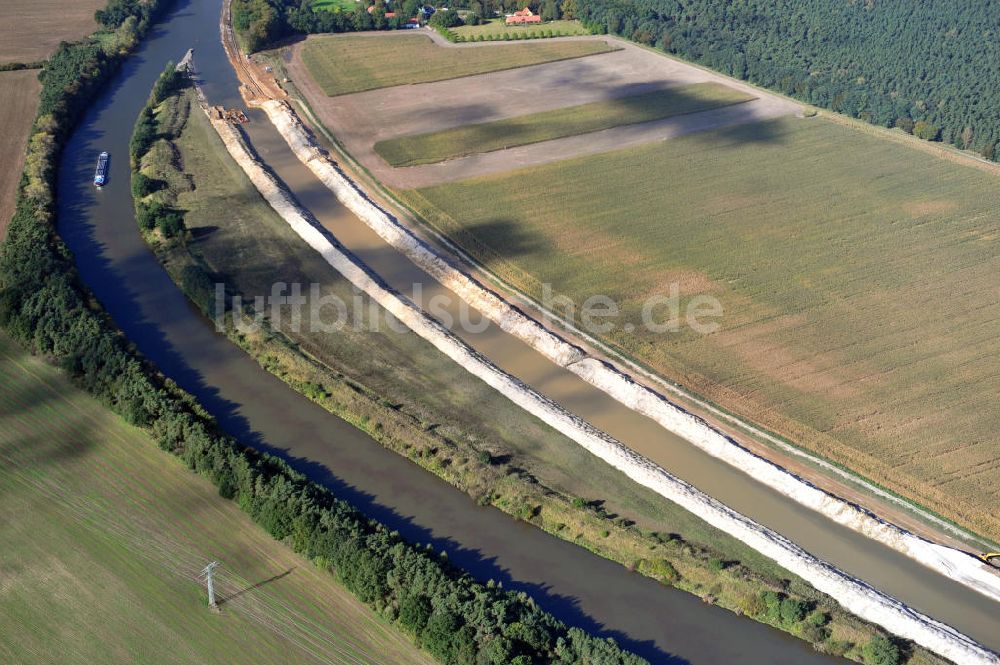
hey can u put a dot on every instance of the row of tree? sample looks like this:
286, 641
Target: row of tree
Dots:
154, 214
928, 68
44, 306
119, 12
262, 22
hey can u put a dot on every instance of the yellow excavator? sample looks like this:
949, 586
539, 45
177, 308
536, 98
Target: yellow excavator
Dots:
992, 558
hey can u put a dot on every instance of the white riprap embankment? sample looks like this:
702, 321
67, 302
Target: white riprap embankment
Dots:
947, 561
853, 594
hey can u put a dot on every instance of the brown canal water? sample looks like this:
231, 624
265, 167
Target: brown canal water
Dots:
661, 624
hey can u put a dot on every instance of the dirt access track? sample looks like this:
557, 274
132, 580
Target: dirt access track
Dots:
362, 119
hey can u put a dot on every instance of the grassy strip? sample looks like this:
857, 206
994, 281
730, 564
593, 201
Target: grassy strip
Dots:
557, 123
730, 214
344, 64
102, 530
334, 5
496, 29
490, 470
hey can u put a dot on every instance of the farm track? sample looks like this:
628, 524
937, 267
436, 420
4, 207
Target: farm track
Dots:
255, 85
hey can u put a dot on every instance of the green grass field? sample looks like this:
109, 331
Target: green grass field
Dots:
558, 123
858, 277
103, 534
334, 5
343, 64
496, 29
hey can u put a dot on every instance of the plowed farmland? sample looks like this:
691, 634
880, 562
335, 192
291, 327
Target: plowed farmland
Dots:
31, 29
19, 90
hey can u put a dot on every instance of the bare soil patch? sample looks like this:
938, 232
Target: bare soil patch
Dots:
360, 120
19, 90
30, 30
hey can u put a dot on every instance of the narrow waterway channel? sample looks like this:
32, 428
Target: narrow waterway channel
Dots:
661, 624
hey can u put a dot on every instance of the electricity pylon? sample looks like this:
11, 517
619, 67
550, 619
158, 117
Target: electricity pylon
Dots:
207, 574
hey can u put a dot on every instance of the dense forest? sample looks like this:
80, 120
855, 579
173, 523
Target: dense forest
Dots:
45, 307
930, 68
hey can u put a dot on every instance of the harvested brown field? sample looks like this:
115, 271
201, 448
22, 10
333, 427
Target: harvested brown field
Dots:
858, 279
30, 30
19, 90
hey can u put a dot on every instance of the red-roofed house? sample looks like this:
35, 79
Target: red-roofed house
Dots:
523, 16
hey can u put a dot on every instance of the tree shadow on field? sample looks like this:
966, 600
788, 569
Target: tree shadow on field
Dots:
51, 442
452, 116
755, 131
506, 238
202, 232
726, 122
582, 72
